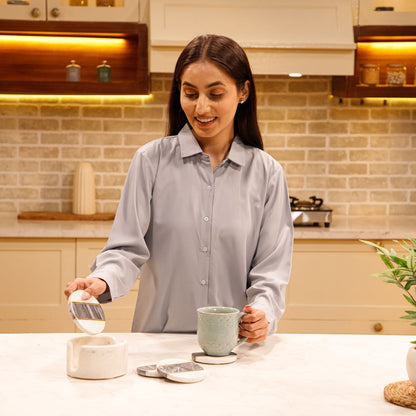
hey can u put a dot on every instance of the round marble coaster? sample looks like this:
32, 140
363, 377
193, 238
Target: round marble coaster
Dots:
181, 370
201, 357
148, 371
88, 314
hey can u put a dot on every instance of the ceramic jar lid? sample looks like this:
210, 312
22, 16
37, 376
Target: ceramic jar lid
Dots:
88, 314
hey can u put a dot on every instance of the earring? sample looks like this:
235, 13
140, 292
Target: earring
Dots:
242, 101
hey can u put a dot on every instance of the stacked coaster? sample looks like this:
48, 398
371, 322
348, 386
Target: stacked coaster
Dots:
174, 369
184, 371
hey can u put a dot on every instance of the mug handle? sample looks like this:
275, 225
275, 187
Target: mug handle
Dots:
242, 339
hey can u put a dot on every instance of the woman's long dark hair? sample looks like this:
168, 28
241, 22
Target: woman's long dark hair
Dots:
227, 55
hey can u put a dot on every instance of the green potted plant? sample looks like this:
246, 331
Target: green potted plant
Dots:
401, 272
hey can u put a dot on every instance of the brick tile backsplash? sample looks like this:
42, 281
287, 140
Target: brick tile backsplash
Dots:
358, 155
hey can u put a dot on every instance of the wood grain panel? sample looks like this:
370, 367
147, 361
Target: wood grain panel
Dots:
38, 65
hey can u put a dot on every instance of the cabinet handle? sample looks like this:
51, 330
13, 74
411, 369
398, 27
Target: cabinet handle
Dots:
35, 12
378, 327
55, 12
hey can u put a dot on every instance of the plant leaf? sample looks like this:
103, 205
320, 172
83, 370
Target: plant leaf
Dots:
399, 261
381, 249
411, 260
410, 300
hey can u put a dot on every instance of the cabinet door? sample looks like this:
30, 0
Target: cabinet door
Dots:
23, 9
119, 313
403, 13
332, 290
33, 276
94, 10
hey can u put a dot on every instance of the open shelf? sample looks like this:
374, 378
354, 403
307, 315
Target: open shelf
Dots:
380, 45
35, 54
346, 87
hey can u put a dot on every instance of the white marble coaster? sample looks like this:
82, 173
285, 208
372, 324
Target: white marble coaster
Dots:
148, 371
201, 357
181, 370
88, 314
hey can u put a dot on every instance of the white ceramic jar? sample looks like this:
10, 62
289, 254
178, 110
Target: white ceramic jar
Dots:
96, 357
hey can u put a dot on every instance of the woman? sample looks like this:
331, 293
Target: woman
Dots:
204, 216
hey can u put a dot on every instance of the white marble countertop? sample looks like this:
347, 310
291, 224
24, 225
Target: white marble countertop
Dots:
289, 374
341, 228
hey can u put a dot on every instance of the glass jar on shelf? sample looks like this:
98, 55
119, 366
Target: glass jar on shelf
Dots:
396, 74
369, 74
73, 72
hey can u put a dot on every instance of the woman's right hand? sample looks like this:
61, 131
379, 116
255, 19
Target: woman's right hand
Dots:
92, 286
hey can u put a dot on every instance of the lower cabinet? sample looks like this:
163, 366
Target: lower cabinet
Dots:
332, 290
33, 276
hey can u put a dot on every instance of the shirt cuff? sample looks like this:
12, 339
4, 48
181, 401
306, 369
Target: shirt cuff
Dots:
106, 296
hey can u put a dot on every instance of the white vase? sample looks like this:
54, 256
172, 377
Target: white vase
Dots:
83, 193
411, 364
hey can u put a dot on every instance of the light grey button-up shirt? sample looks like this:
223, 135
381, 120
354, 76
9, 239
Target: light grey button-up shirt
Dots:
199, 236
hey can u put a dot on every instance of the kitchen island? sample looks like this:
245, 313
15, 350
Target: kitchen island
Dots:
289, 374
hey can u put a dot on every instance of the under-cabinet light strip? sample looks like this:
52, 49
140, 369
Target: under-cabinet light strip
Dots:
64, 40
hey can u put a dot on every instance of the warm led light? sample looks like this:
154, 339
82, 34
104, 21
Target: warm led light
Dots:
295, 74
382, 100
65, 40
44, 97
388, 46
378, 100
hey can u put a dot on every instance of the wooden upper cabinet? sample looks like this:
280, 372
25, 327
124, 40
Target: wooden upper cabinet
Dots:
70, 10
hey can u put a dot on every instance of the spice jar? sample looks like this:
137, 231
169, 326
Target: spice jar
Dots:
104, 72
369, 74
73, 72
396, 74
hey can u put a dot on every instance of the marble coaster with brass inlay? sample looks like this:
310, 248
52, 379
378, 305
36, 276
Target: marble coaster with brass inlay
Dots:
180, 370
201, 357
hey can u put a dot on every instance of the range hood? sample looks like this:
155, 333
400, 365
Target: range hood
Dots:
309, 37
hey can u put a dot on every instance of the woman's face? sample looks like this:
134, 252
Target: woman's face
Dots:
209, 99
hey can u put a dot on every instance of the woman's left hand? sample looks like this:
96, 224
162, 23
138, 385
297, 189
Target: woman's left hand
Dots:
254, 325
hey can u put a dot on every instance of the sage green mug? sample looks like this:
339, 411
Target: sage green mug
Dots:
217, 329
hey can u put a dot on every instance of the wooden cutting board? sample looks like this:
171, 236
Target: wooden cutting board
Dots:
65, 216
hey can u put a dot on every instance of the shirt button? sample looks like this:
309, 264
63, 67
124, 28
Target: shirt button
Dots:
206, 219
203, 282
209, 187
204, 249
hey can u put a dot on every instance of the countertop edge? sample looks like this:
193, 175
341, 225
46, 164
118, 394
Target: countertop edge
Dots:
374, 228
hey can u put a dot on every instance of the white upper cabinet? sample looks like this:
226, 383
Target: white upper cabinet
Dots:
279, 36
387, 13
71, 10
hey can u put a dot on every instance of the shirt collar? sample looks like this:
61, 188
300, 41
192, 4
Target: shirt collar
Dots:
237, 153
189, 146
